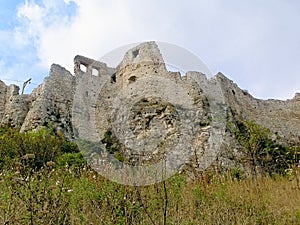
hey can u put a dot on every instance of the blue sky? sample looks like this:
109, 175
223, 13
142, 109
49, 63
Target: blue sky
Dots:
256, 43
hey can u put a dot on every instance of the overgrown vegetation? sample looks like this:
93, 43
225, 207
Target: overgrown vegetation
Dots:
44, 180
35, 148
112, 145
262, 153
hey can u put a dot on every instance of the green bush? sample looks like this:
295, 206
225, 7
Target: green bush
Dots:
65, 191
71, 160
263, 152
34, 147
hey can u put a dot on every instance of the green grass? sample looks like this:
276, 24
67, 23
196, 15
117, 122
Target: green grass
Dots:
57, 187
66, 195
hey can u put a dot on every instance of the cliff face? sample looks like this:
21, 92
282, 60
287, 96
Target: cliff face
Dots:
146, 108
50, 104
281, 117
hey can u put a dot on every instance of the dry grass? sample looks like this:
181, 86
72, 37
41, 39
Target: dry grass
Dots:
66, 196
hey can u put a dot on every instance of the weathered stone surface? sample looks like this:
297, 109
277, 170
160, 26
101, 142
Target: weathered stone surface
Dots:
148, 109
51, 103
15, 107
281, 117
141, 61
3, 89
86, 95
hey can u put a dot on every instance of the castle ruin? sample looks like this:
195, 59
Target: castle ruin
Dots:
147, 108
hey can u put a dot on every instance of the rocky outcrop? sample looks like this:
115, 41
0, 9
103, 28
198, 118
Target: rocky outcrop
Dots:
148, 109
14, 107
49, 105
281, 117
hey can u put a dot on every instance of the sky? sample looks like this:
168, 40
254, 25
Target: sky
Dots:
255, 43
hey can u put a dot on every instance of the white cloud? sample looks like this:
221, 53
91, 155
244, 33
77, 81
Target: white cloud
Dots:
252, 42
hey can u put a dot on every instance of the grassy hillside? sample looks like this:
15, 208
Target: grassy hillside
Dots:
44, 180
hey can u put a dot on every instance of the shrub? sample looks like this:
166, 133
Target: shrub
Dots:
74, 160
261, 151
43, 144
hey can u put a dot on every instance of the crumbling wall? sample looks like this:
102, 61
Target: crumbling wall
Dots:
86, 95
141, 61
281, 117
3, 89
51, 102
142, 100
14, 107
87, 66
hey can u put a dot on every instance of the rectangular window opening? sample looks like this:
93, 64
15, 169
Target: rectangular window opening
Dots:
83, 68
95, 72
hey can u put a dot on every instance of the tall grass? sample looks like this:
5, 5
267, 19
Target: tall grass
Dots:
65, 190
64, 195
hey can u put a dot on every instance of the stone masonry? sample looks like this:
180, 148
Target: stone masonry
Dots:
148, 109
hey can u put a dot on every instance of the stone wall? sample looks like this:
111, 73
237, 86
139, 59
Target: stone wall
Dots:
281, 117
3, 89
140, 102
88, 86
50, 104
13, 107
